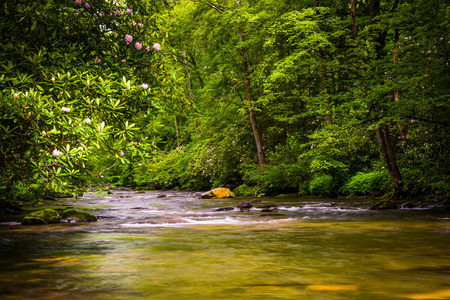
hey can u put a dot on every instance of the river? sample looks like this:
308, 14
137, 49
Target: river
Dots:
180, 247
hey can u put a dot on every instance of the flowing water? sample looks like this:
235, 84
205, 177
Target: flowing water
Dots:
180, 247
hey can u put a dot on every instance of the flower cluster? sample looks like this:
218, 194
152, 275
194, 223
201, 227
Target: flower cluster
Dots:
128, 38
57, 152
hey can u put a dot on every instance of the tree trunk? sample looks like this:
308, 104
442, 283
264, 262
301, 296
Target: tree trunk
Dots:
323, 73
187, 73
382, 132
197, 72
248, 96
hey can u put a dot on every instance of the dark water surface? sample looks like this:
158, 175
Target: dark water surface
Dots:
179, 247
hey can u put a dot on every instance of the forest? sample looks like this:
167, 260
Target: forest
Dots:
334, 98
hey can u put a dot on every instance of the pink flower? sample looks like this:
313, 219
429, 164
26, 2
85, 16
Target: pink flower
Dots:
135, 143
138, 46
147, 48
24, 105
44, 133
87, 5
140, 24
133, 23
98, 60
56, 152
157, 47
153, 143
65, 109
128, 38
123, 60
129, 10
16, 96
145, 86
78, 2
101, 176
117, 12
121, 153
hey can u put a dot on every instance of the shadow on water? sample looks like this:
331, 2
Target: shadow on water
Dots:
181, 247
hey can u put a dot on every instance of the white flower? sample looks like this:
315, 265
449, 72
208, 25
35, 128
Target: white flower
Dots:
53, 79
80, 148
65, 109
87, 121
145, 86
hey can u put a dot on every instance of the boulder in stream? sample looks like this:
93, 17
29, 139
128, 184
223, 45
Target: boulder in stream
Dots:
44, 216
62, 195
75, 215
245, 206
384, 204
218, 193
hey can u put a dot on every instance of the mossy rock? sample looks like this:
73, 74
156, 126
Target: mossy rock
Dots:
408, 205
75, 215
44, 216
384, 204
218, 194
33, 221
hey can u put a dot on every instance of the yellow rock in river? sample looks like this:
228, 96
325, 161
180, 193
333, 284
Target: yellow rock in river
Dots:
218, 193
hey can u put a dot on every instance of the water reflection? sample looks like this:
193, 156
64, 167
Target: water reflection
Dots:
180, 247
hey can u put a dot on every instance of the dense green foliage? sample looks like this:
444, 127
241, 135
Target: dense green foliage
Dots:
314, 97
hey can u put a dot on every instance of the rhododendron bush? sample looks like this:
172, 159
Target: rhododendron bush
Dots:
71, 83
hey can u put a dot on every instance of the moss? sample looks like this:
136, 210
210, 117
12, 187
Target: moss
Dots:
46, 215
78, 216
384, 204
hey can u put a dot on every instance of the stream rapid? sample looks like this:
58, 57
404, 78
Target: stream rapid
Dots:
146, 245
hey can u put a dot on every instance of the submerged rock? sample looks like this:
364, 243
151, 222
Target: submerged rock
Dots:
75, 215
268, 206
384, 204
269, 210
225, 208
39, 217
218, 193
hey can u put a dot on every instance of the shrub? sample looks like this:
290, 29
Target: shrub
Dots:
321, 185
367, 183
245, 190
